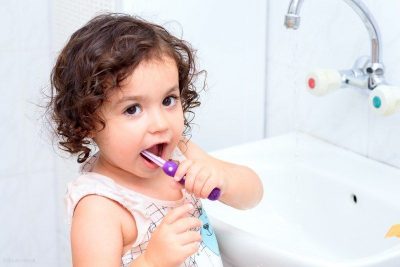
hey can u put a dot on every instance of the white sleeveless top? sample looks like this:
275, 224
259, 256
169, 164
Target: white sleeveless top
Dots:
148, 213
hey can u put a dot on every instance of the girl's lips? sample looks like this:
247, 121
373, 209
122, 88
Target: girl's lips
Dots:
157, 149
149, 163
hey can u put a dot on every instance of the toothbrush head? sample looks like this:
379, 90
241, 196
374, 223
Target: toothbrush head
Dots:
156, 159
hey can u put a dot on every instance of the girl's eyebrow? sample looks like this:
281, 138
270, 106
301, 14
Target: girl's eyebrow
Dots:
140, 98
173, 89
129, 98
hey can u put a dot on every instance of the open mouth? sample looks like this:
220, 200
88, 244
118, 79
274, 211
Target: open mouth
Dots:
156, 149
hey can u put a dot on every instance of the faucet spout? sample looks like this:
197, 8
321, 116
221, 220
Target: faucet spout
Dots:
375, 68
292, 18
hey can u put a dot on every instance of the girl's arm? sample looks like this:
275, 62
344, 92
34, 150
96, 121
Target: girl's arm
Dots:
240, 186
97, 236
96, 233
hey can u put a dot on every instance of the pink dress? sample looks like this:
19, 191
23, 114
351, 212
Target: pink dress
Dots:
148, 213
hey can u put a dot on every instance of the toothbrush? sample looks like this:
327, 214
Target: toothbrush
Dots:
169, 167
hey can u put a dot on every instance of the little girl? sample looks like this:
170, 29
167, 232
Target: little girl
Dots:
126, 85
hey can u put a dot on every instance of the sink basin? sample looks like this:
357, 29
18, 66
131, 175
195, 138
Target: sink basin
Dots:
322, 206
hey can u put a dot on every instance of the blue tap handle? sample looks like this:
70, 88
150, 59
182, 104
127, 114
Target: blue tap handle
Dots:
170, 168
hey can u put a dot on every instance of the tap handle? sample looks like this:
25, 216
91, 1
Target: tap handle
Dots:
323, 81
385, 99
170, 168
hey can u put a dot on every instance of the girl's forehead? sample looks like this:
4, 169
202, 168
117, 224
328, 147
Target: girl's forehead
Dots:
149, 77
153, 72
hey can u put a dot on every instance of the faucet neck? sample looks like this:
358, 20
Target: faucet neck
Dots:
371, 26
292, 20
373, 72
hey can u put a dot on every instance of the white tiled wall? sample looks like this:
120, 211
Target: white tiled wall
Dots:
27, 186
69, 15
230, 39
331, 35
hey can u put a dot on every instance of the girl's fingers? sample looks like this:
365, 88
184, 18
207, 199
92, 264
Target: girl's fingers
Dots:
202, 177
189, 237
191, 177
182, 169
197, 178
191, 248
187, 224
176, 213
208, 187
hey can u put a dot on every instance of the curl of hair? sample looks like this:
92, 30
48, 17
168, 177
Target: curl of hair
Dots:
96, 59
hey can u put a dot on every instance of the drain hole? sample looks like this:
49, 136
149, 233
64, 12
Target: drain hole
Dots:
354, 198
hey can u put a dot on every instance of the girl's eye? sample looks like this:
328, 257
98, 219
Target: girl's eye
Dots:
170, 101
133, 110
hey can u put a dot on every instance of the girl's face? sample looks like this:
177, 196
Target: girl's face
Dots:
145, 114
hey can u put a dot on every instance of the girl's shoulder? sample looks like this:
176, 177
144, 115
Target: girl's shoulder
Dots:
97, 218
85, 185
92, 197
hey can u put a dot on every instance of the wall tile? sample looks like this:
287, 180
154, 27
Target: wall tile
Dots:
233, 51
28, 220
11, 115
10, 13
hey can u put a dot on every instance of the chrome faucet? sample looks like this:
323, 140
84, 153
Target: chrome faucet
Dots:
366, 72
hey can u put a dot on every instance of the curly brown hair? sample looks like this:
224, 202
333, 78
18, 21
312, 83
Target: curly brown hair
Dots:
96, 59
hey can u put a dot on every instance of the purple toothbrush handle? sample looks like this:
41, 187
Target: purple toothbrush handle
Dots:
215, 193
170, 168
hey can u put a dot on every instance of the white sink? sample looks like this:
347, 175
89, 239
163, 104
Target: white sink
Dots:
322, 206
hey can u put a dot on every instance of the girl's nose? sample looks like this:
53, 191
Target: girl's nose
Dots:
158, 122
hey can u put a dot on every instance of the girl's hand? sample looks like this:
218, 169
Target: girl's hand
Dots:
173, 241
200, 177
